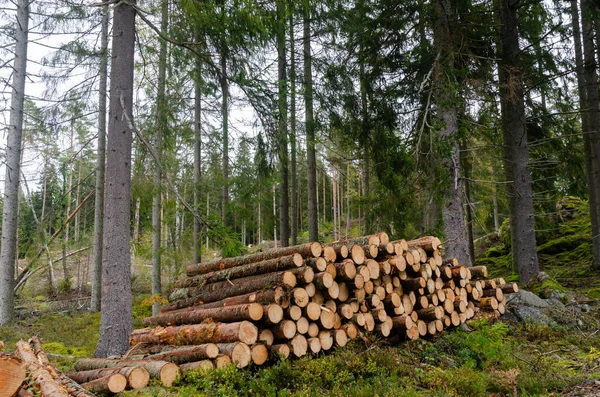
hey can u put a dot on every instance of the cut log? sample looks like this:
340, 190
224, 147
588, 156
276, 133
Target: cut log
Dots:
373, 267
174, 354
266, 337
243, 331
357, 253
39, 374
164, 371
251, 269
137, 377
479, 272
326, 340
239, 352
323, 280
300, 297
273, 314
313, 311
200, 366
226, 289
327, 318
12, 374
304, 274
313, 330
343, 292
329, 254
428, 243
193, 315
114, 383
314, 345
350, 329
306, 250
310, 290
371, 251
510, 288
341, 250
383, 328
280, 351
334, 291
318, 264
414, 284
403, 322
340, 337
292, 313
298, 345
223, 361
302, 325
259, 354
285, 330
346, 269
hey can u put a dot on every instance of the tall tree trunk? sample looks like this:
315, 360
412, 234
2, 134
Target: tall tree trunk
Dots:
225, 115
66, 284
365, 131
516, 150
116, 320
8, 246
293, 170
282, 141
160, 129
197, 159
313, 221
456, 243
592, 134
77, 197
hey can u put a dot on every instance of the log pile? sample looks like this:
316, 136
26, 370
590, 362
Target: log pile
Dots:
310, 298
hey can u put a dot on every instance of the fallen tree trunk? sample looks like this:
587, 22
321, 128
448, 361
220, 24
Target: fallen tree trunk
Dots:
194, 334
428, 243
195, 315
306, 250
180, 355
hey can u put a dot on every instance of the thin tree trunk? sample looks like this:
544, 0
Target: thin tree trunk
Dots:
76, 227
293, 167
274, 216
225, 115
197, 159
334, 204
347, 199
160, 127
116, 320
8, 246
593, 120
282, 141
313, 220
516, 150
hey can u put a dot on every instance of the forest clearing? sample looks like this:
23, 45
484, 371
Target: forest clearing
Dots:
329, 197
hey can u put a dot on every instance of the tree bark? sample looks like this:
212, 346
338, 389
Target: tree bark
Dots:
447, 97
590, 73
160, 128
12, 374
195, 334
137, 377
100, 166
516, 150
164, 371
313, 221
10, 211
225, 115
116, 321
38, 373
306, 250
197, 159
293, 170
114, 383
249, 311
282, 139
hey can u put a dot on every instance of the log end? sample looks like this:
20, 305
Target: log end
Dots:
298, 260
255, 311
241, 355
169, 373
316, 249
259, 354
299, 345
222, 361
138, 378
289, 279
12, 374
248, 333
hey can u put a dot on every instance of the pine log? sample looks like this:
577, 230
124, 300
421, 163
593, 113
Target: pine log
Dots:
357, 254
314, 345
331, 269
12, 374
304, 274
201, 366
371, 251
326, 340
281, 351
323, 280
222, 361
266, 336
306, 250
383, 328
243, 331
510, 288
329, 254
414, 284
343, 293
164, 371
226, 289
293, 313
478, 272
318, 264
137, 377
251, 269
310, 290
259, 354
273, 314
373, 267
459, 272
194, 315
239, 352
313, 330
38, 373
181, 355
495, 292
341, 250
302, 325
327, 318
284, 330
74, 388
298, 345
334, 291
428, 243
346, 269
114, 383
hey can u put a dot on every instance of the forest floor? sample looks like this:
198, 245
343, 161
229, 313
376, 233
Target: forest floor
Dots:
501, 358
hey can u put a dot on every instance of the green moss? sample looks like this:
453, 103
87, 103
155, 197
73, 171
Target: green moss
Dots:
544, 289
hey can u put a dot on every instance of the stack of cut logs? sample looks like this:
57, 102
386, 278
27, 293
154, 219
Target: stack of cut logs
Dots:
312, 297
